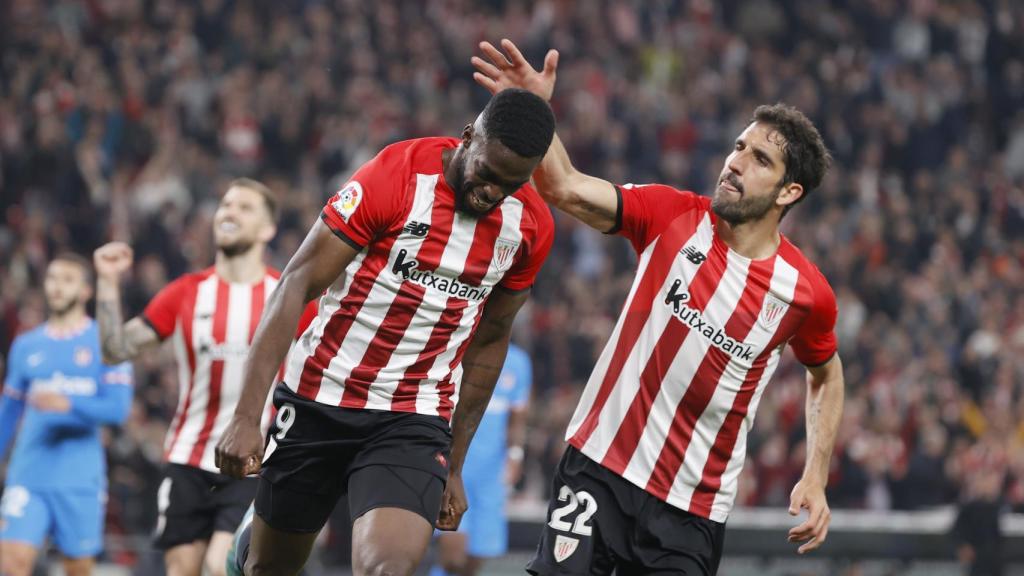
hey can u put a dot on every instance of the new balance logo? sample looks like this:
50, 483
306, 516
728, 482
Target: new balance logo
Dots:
694, 255
417, 229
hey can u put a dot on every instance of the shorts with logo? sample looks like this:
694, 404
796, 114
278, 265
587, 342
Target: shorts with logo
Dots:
73, 516
598, 523
317, 453
194, 503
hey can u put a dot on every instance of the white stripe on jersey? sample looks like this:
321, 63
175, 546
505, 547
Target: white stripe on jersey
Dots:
628, 384
682, 370
309, 341
202, 331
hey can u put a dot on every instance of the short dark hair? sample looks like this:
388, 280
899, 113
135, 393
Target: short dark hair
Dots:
260, 188
806, 157
78, 260
520, 120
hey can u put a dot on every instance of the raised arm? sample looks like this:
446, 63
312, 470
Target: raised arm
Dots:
823, 411
320, 259
481, 365
591, 200
119, 340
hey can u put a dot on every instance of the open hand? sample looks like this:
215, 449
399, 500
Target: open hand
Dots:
496, 71
814, 530
49, 402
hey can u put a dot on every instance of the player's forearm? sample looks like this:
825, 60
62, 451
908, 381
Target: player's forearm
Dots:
517, 427
586, 198
111, 407
114, 344
269, 346
10, 414
481, 367
824, 410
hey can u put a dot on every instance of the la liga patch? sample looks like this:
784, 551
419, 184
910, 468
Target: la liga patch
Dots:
348, 200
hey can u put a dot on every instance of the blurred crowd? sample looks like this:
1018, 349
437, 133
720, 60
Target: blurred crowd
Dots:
124, 119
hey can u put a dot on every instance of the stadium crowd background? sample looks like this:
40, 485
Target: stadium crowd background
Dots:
124, 119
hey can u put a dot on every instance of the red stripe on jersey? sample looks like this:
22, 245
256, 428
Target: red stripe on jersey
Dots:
721, 452
389, 334
220, 332
701, 288
186, 317
340, 323
485, 236
705, 380
259, 296
663, 255
400, 314
404, 397
447, 388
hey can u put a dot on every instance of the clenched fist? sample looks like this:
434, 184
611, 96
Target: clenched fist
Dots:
112, 259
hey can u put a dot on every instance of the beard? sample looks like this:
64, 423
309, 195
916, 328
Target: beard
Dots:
743, 209
235, 248
58, 311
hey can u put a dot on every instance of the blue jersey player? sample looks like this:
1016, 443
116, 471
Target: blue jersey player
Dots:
493, 463
59, 390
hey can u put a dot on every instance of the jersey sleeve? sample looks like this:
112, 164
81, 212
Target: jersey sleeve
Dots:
645, 211
534, 252
368, 203
113, 398
162, 311
12, 401
815, 341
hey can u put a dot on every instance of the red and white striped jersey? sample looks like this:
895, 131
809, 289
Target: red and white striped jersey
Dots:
211, 323
392, 335
669, 403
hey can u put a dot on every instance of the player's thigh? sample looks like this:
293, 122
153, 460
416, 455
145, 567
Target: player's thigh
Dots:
78, 566
17, 558
78, 521
582, 516
186, 514
275, 552
185, 559
451, 551
485, 522
395, 509
216, 555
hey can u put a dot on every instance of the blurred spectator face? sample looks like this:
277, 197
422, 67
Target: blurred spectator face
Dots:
486, 172
751, 179
241, 221
66, 287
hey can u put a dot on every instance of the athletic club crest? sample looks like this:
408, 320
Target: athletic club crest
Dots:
772, 311
564, 547
504, 253
83, 356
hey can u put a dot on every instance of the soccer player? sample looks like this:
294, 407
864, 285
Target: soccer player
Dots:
210, 316
658, 438
440, 240
57, 478
494, 462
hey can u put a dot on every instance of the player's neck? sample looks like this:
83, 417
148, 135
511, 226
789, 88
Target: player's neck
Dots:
244, 268
71, 321
755, 240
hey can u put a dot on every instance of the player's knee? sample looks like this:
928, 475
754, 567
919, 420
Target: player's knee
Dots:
14, 563
371, 563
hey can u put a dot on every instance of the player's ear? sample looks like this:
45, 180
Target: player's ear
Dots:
789, 194
467, 135
267, 233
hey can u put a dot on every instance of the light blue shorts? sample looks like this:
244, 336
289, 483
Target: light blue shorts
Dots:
73, 517
485, 523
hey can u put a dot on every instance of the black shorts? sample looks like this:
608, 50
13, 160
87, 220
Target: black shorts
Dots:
195, 503
381, 459
599, 522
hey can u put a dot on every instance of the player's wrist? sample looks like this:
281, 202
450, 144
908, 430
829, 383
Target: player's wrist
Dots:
516, 453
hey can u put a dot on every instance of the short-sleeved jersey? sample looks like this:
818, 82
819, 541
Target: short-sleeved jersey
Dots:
62, 450
392, 336
488, 450
211, 324
673, 395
